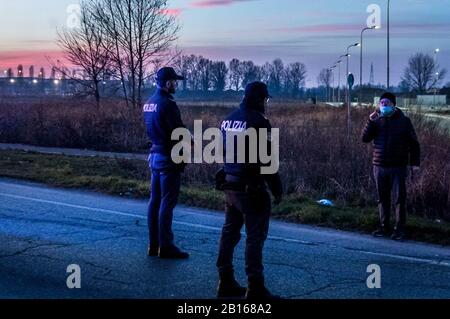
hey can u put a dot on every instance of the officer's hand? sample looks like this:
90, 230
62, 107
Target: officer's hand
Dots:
416, 169
278, 199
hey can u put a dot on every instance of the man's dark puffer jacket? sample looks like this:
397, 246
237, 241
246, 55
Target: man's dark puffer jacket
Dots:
395, 142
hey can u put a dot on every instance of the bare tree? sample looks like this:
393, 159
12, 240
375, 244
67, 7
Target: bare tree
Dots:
250, 72
85, 47
193, 73
204, 68
180, 66
266, 71
235, 74
295, 74
141, 32
324, 79
219, 72
422, 73
276, 76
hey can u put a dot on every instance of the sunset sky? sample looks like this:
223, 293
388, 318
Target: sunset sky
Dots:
313, 32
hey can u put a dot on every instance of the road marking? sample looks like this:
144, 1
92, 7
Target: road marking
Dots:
107, 211
114, 212
71, 205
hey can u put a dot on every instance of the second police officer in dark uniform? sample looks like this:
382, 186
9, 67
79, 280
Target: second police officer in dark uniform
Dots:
162, 116
247, 202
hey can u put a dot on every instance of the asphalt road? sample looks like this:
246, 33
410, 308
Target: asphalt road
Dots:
43, 230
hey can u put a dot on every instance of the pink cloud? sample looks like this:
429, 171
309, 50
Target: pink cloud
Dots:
38, 58
340, 28
322, 28
173, 11
214, 3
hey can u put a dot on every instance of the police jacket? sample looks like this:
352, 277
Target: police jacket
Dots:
394, 140
249, 115
162, 116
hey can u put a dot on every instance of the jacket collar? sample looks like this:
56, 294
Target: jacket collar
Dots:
164, 93
252, 105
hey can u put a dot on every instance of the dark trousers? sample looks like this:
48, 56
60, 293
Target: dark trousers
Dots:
391, 189
165, 188
253, 210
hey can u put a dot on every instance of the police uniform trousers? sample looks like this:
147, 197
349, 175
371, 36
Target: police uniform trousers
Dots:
253, 210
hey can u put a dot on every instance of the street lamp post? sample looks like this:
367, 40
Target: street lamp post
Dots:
388, 45
346, 74
437, 76
361, 61
332, 74
339, 81
349, 103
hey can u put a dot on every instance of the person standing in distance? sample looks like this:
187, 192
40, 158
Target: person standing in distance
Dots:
247, 201
162, 116
395, 146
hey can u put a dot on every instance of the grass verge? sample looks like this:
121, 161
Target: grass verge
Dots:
129, 178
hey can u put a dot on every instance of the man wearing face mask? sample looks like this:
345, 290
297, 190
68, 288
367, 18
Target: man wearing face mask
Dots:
247, 200
162, 116
395, 146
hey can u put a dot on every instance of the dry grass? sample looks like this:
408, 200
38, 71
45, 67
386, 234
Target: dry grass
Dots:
317, 158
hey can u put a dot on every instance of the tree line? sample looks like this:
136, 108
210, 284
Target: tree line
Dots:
202, 74
128, 40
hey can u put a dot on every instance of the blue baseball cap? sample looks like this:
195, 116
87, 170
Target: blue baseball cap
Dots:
257, 90
167, 74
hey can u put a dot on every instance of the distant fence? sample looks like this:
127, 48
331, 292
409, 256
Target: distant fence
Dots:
420, 100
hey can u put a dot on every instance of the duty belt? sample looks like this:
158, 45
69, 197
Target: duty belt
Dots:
237, 184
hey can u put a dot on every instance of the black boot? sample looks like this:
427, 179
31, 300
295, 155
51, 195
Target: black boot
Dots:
257, 291
229, 287
152, 250
381, 232
172, 253
398, 234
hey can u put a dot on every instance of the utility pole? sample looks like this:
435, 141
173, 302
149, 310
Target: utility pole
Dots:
436, 74
350, 82
371, 79
388, 45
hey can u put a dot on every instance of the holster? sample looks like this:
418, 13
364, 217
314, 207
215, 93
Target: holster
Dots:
237, 184
221, 179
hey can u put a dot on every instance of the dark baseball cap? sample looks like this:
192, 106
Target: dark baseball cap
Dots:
257, 90
168, 73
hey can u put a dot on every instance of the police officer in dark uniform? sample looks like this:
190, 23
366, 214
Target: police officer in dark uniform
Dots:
162, 116
247, 202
